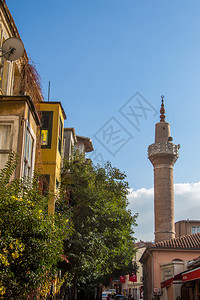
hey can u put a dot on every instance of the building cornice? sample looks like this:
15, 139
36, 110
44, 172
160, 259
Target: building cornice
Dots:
26, 99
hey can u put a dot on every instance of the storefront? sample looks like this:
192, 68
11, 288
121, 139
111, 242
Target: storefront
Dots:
191, 284
171, 288
185, 285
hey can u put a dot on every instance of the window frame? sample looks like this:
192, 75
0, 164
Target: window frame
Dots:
196, 229
60, 135
6, 72
24, 158
13, 121
50, 128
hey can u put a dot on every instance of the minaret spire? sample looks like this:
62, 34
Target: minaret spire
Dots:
162, 111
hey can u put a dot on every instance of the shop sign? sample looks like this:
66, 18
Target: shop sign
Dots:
168, 273
157, 291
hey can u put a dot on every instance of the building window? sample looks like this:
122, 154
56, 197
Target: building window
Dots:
195, 229
9, 131
60, 136
6, 77
46, 129
28, 155
5, 143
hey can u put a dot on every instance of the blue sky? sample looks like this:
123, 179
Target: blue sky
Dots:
99, 54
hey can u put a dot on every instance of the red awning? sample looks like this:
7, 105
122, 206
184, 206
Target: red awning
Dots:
173, 280
167, 282
178, 276
184, 276
191, 275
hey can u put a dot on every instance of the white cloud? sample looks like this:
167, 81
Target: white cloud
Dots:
187, 206
187, 201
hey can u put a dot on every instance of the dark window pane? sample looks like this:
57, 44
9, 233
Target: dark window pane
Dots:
46, 129
45, 121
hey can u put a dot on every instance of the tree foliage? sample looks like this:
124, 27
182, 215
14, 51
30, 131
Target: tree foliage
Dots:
92, 201
102, 239
31, 240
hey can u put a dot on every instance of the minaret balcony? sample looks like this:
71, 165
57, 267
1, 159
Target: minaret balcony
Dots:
163, 148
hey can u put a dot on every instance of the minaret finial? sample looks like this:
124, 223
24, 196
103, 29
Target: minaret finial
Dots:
162, 111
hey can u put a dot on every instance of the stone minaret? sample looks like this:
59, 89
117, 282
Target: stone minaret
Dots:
163, 155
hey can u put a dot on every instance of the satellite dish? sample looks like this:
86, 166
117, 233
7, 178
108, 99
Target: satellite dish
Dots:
12, 49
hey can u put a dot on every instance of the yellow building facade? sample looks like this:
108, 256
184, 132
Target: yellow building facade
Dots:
52, 128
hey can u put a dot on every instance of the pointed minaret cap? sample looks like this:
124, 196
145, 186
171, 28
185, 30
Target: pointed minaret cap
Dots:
162, 111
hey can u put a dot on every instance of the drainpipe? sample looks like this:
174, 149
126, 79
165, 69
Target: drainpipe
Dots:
151, 271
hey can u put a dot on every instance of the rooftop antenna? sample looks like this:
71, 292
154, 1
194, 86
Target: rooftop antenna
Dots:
12, 49
49, 91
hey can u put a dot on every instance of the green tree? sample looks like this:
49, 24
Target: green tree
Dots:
102, 240
31, 240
